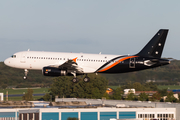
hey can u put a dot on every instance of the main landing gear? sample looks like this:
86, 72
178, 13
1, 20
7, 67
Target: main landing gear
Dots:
75, 80
86, 79
25, 74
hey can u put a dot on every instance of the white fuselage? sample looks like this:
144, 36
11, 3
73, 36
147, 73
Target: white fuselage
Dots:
35, 60
67, 64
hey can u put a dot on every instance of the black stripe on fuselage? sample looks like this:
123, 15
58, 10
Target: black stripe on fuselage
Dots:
110, 62
140, 63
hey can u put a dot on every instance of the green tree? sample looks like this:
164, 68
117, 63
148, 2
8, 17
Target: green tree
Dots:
137, 86
151, 86
29, 95
156, 96
106, 95
130, 96
128, 85
170, 97
4, 86
64, 87
117, 95
163, 92
178, 97
135, 98
61, 86
47, 97
143, 97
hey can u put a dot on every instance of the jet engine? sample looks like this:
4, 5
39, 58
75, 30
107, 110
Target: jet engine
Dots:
52, 71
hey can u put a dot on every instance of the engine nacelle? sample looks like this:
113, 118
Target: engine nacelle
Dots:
51, 71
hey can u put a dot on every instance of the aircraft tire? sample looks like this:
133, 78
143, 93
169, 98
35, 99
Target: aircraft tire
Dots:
86, 79
74, 80
24, 77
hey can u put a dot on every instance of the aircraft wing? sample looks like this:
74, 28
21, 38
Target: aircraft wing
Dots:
71, 66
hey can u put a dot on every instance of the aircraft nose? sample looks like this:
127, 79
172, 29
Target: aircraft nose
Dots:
7, 62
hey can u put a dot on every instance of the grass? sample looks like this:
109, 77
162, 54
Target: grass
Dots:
23, 91
172, 87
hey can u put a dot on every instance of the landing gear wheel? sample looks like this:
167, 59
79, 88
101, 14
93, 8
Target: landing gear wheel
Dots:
86, 79
74, 80
25, 74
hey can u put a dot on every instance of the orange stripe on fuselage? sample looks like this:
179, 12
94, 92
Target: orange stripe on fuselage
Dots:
109, 67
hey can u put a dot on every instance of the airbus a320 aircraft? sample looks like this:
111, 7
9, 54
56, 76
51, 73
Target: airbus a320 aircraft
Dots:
68, 64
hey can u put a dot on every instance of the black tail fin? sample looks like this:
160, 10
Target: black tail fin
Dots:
155, 46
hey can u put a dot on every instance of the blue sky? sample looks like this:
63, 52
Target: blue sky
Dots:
106, 26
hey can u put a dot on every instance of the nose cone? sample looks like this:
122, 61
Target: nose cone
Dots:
7, 62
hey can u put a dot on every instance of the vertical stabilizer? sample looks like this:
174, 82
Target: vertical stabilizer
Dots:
155, 46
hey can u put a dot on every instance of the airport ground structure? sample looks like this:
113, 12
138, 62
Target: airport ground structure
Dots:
108, 110
103, 113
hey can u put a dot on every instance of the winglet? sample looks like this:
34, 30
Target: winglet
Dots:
74, 59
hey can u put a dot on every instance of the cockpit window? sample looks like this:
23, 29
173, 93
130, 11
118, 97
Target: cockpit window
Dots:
13, 56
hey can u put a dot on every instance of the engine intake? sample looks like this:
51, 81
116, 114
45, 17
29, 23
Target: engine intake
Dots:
51, 71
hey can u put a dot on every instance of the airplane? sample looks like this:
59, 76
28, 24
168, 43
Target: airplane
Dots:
73, 64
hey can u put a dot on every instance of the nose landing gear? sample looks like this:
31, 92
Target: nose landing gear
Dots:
25, 74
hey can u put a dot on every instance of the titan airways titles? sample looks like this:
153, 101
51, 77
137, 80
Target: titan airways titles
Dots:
68, 64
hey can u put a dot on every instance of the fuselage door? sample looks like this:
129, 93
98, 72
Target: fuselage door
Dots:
23, 58
132, 63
